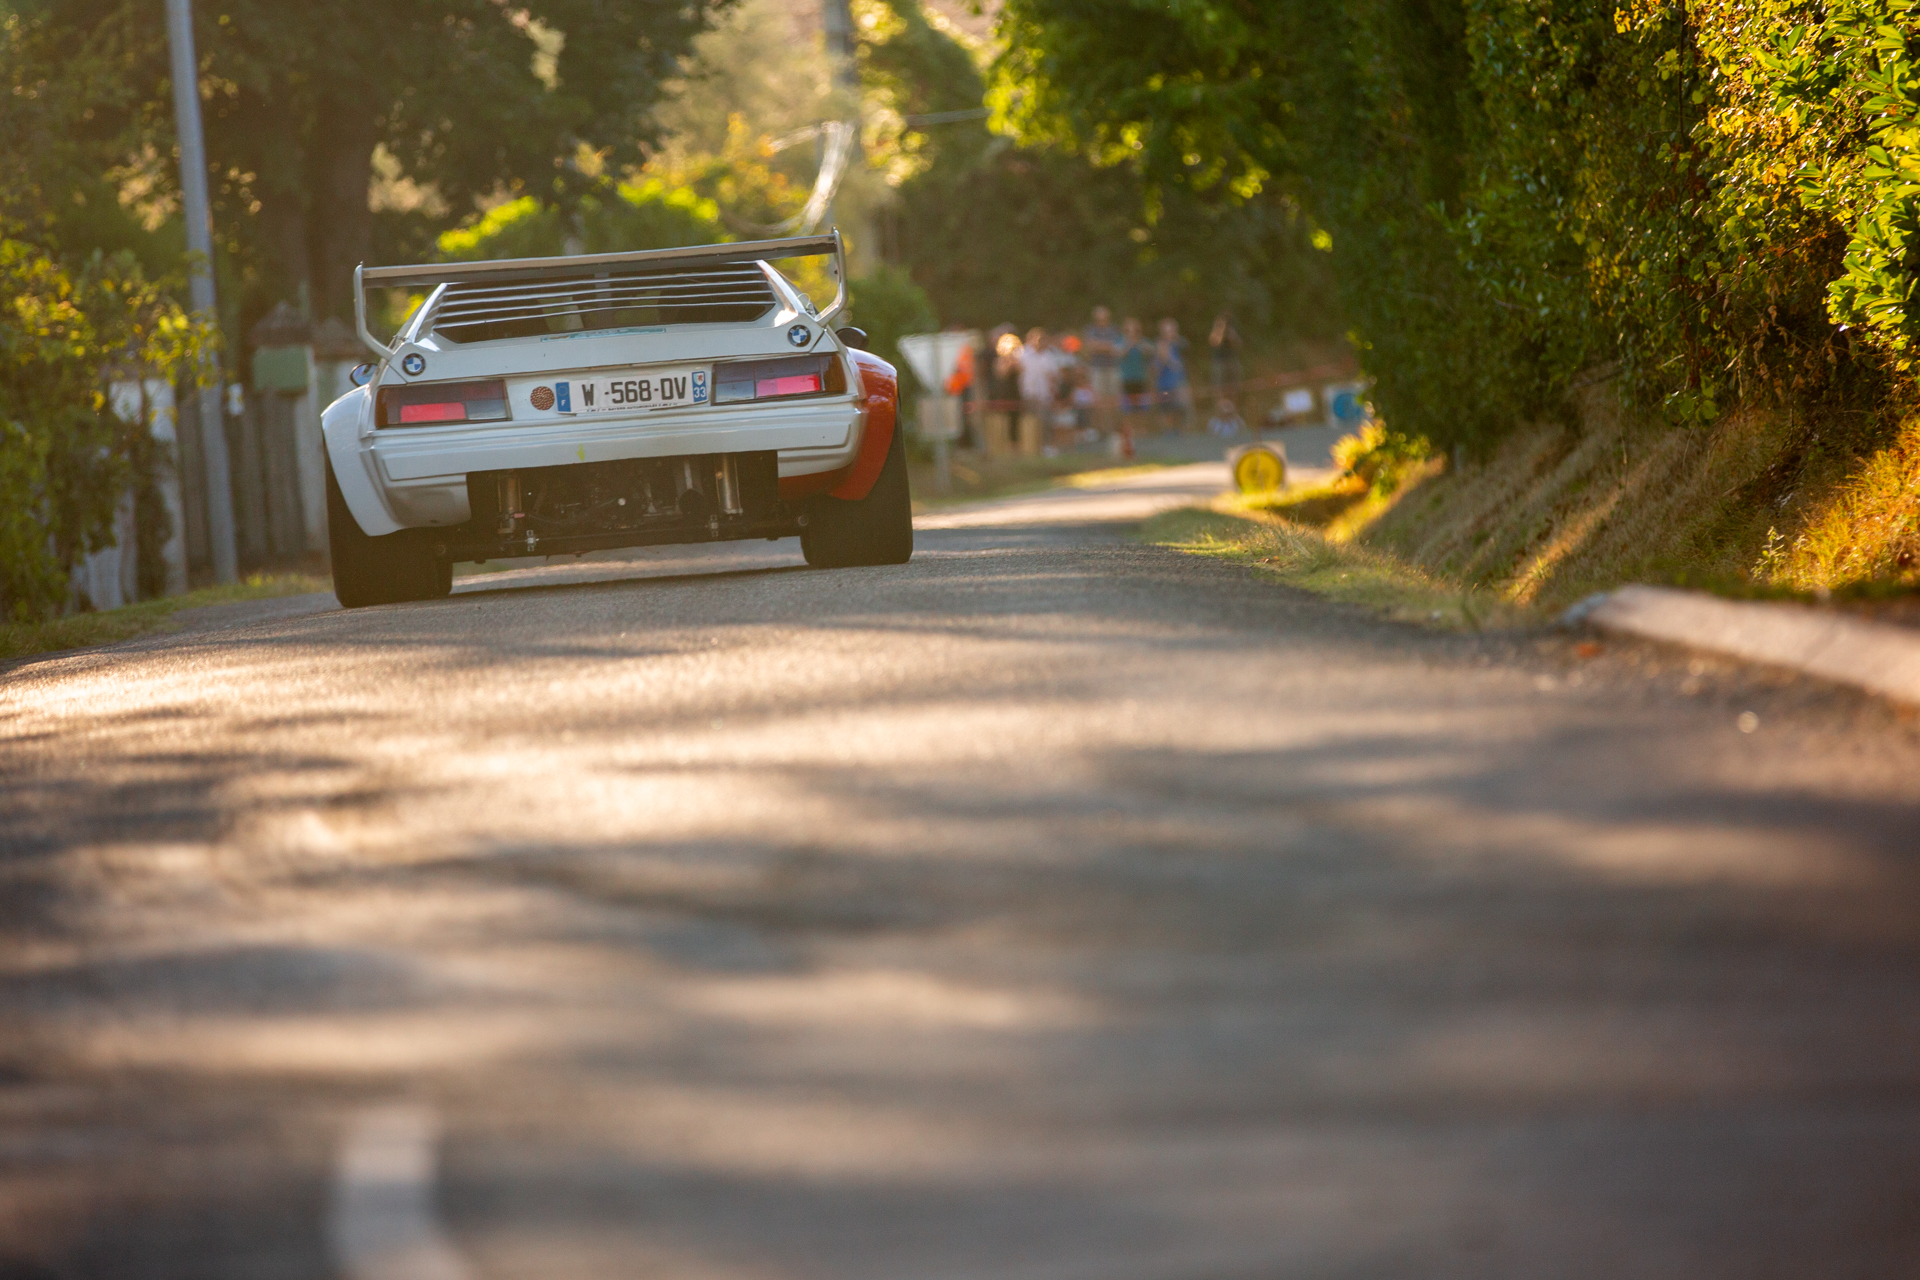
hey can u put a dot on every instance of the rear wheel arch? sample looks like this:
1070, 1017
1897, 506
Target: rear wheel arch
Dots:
387, 569
340, 429
880, 391
874, 529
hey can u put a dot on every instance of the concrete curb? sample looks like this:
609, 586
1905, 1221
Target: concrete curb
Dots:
1846, 650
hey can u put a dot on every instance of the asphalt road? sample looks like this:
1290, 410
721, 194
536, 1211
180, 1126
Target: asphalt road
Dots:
1052, 907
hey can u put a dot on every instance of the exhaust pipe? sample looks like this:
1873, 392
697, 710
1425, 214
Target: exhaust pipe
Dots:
689, 497
507, 493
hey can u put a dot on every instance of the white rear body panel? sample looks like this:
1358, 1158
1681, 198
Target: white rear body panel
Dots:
415, 476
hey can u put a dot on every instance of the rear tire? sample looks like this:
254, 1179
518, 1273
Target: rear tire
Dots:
877, 529
387, 570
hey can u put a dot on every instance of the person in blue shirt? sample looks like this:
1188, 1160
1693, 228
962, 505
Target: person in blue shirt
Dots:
1136, 367
1171, 387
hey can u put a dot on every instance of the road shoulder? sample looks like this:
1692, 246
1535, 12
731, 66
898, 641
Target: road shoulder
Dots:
260, 597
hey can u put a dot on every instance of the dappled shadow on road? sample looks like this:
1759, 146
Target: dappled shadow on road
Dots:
989, 594
1101, 1043
1011, 913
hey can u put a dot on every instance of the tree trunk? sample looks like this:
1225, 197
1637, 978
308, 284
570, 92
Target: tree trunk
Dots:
283, 228
341, 235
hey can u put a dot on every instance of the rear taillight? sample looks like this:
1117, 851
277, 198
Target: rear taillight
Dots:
771, 379
435, 402
796, 385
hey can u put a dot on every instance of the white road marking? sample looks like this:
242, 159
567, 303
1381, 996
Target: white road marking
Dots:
381, 1226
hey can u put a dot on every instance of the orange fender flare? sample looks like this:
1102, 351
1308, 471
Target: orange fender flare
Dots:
880, 385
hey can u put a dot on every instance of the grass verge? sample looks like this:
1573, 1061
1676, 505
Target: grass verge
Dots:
84, 630
1302, 557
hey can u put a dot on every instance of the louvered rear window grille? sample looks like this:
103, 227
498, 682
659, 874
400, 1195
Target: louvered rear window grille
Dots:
479, 312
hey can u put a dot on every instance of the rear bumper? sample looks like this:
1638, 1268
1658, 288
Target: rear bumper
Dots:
418, 475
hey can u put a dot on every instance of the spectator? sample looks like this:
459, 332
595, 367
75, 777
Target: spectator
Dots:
1226, 421
1003, 391
1068, 383
1170, 384
1039, 383
960, 386
1068, 386
1136, 367
1081, 397
1224, 342
1102, 344
960, 381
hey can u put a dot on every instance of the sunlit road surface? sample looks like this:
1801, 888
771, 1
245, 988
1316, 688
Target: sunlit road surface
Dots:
1050, 907
1124, 499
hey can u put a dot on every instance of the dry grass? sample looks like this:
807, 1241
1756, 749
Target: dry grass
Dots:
1299, 556
1317, 505
1755, 505
82, 630
1556, 514
1864, 534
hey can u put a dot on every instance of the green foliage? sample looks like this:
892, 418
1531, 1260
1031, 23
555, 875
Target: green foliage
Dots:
1196, 90
1380, 458
1523, 196
65, 458
458, 99
1039, 234
608, 219
888, 304
1820, 138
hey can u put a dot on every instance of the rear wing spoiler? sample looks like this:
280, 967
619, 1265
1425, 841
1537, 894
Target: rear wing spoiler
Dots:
588, 265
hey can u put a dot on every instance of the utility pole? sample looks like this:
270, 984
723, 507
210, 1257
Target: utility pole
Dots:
193, 195
857, 229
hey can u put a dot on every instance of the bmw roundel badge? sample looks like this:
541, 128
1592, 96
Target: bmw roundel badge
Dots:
414, 364
799, 335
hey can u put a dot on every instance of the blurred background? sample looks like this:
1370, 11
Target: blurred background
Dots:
350, 131
1526, 228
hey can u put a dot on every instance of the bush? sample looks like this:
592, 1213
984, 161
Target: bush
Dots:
889, 305
1380, 459
65, 459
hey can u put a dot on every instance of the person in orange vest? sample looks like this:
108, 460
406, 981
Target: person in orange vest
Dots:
962, 376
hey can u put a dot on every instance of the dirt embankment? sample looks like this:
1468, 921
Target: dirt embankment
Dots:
1756, 504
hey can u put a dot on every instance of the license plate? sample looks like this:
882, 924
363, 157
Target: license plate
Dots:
635, 392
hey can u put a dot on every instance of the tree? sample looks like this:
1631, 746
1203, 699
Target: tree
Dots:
1521, 196
608, 219
996, 231
464, 98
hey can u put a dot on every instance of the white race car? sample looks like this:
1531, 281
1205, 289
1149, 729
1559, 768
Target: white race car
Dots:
544, 406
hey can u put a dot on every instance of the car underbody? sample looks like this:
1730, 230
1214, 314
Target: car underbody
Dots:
591, 506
